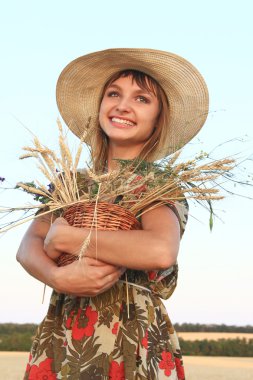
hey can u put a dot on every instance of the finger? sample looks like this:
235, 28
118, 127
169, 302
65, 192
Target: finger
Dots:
94, 262
99, 263
109, 279
108, 270
105, 283
108, 283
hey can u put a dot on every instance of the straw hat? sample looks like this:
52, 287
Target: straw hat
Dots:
81, 83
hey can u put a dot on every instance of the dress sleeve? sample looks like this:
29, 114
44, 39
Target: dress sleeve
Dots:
180, 208
163, 283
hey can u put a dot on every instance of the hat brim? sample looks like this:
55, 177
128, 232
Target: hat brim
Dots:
81, 83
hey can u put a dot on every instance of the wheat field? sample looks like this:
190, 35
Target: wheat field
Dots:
12, 367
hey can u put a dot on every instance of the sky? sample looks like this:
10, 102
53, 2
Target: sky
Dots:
38, 39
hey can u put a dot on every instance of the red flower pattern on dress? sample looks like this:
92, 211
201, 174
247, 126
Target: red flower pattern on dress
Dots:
167, 363
28, 366
70, 319
180, 369
144, 340
117, 371
152, 275
140, 189
79, 332
43, 371
115, 328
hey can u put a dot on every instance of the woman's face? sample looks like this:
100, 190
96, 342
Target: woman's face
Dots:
128, 113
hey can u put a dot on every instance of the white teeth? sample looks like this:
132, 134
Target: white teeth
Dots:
121, 121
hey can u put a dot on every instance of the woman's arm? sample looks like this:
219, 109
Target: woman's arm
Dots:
31, 254
154, 247
87, 277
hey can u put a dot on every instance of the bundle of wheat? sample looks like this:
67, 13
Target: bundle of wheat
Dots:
135, 185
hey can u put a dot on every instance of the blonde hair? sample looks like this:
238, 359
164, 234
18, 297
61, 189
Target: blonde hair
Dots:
99, 142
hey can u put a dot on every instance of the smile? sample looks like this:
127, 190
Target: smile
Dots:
122, 121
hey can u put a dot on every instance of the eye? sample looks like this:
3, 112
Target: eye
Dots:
112, 94
142, 99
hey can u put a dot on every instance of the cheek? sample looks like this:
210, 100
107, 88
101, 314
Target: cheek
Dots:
105, 107
153, 114
152, 119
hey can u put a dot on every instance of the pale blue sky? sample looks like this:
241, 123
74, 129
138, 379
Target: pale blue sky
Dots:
39, 38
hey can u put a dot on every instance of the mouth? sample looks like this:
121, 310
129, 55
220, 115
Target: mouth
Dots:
122, 122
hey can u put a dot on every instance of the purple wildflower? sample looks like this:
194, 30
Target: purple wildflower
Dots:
51, 187
2, 179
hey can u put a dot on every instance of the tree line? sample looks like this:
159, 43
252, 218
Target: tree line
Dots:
222, 347
16, 337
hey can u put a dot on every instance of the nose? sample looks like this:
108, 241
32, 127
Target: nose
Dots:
123, 105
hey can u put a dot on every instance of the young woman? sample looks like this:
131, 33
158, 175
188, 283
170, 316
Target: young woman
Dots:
141, 104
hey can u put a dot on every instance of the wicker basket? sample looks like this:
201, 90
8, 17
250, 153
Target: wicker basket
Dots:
110, 217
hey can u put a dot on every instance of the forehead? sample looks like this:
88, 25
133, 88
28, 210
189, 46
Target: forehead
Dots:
130, 81
125, 81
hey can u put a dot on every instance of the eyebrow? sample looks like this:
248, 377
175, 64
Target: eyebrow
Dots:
140, 91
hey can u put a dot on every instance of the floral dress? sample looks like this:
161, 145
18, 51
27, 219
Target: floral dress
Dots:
123, 334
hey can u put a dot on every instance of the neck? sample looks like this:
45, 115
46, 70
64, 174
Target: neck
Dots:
121, 152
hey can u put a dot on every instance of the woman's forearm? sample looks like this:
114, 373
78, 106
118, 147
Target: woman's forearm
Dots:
32, 257
150, 248
132, 249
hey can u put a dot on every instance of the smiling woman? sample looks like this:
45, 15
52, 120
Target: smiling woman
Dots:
140, 101
100, 324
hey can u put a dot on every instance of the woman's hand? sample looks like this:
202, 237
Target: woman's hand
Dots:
61, 238
86, 277
53, 237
